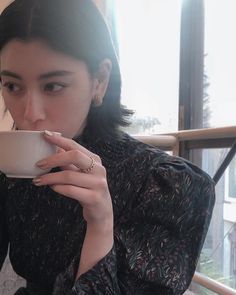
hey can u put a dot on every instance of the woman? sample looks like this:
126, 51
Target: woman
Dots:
113, 216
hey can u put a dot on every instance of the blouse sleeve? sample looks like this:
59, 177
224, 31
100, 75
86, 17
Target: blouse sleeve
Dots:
100, 280
3, 229
164, 234
158, 236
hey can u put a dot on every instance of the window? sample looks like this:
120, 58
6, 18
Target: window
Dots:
149, 59
230, 181
220, 60
155, 37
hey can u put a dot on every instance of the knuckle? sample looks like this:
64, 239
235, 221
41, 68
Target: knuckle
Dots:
102, 183
97, 158
102, 170
70, 190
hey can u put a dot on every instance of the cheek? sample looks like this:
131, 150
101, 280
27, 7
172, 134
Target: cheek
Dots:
15, 108
72, 115
74, 107
74, 112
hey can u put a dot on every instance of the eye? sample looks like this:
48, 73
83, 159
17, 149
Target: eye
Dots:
54, 87
12, 87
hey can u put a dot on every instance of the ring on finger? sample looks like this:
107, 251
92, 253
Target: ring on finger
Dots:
90, 168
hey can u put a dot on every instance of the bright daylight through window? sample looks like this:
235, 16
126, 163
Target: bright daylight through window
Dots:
148, 34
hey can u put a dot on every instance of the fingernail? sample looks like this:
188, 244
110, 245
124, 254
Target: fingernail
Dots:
41, 163
37, 181
49, 133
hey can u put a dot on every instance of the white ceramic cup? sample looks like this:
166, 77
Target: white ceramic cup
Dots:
20, 150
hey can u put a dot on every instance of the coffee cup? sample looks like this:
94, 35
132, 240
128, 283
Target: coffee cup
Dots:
20, 150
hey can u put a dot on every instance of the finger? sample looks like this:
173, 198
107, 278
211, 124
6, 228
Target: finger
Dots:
60, 150
85, 196
68, 167
72, 157
64, 143
68, 178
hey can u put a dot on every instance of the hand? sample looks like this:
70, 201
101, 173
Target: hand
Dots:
90, 189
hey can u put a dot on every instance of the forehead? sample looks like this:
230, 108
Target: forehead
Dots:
18, 55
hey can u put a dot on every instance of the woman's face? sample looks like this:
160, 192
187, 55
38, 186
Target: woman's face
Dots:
45, 89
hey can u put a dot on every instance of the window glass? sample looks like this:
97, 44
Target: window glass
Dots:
217, 258
220, 61
232, 179
148, 36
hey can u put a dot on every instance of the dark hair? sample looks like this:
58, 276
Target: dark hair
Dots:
76, 28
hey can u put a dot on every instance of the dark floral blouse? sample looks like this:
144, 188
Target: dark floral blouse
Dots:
162, 209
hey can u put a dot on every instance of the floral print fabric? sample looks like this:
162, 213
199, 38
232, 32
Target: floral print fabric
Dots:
162, 210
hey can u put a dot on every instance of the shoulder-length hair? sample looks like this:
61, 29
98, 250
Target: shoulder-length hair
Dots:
75, 28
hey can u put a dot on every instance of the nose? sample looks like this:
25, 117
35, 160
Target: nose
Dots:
34, 108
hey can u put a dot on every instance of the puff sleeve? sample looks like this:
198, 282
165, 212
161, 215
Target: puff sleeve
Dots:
163, 234
158, 235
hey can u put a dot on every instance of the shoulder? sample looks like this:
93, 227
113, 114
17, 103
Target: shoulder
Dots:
153, 160
128, 149
167, 164
138, 161
165, 179
171, 190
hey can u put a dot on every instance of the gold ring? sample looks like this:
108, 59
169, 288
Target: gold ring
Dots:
90, 168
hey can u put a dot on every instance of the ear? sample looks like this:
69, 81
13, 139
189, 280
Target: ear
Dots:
102, 78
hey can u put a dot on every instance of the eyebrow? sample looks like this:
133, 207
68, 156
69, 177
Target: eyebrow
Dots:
10, 74
41, 77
